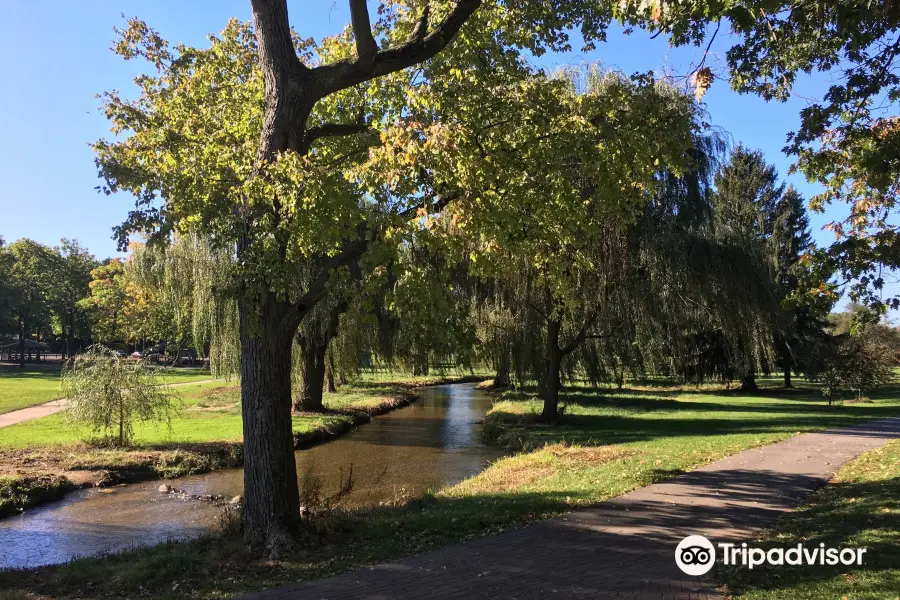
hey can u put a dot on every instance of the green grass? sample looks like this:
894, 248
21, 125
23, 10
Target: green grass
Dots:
860, 508
211, 412
24, 388
664, 433
606, 444
21, 389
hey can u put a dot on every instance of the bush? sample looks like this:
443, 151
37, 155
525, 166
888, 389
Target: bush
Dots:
107, 394
859, 363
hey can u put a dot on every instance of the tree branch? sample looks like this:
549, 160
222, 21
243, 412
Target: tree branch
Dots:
351, 252
582, 334
335, 130
438, 203
366, 48
347, 73
421, 29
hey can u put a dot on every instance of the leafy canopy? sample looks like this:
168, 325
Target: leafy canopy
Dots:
848, 139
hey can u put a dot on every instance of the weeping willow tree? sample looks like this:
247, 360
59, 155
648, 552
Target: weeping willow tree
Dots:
420, 307
669, 294
191, 281
409, 310
559, 277
313, 361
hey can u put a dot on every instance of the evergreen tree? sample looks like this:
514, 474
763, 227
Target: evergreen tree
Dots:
747, 194
789, 241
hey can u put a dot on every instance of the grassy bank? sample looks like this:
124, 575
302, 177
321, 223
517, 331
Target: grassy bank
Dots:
19, 493
860, 508
30, 387
205, 436
607, 443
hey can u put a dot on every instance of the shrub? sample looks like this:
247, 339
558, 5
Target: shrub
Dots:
108, 394
859, 363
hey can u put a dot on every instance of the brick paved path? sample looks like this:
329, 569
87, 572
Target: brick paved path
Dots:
621, 548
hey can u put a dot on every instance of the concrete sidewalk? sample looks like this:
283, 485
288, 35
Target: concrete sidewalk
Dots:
54, 406
621, 548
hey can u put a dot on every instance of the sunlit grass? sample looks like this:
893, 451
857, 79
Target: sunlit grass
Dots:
860, 508
209, 412
21, 389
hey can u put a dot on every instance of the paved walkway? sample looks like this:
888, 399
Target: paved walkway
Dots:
54, 406
621, 548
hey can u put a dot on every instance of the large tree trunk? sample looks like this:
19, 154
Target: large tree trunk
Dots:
550, 385
272, 498
787, 377
312, 367
329, 375
748, 383
501, 379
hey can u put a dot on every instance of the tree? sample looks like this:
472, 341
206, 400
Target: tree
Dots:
578, 189
802, 320
72, 276
32, 286
315, 334
108, 302
747, 193
255, 153
183, 286
7, 291
108, 394
847, 139
859, 362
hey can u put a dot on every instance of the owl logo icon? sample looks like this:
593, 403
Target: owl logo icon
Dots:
695, 555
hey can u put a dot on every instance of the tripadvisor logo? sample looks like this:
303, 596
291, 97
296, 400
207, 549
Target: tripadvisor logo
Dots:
696, 555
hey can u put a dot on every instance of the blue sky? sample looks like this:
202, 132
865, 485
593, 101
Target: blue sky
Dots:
55, 60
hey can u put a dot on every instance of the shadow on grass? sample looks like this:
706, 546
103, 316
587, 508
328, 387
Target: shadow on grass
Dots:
855, 515
682, 419
601, 550
46, 374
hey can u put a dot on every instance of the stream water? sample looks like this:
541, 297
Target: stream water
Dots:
429, 444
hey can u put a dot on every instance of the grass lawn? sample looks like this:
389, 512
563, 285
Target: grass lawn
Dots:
212, 412
607, 443
24, 388
860, 508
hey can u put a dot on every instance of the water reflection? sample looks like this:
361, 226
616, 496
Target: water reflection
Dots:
432, 443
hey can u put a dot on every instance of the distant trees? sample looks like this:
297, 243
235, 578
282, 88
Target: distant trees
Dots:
108, 302
31, 283
757, 212
846, 140
71, 283
859, 362
40, 287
